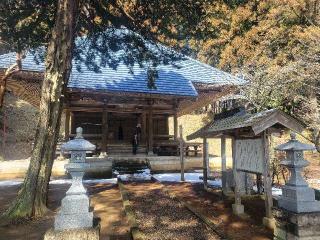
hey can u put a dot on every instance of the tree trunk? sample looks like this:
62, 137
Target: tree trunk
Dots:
32, 197
317, 140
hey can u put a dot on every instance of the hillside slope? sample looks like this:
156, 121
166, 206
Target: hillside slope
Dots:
18, 122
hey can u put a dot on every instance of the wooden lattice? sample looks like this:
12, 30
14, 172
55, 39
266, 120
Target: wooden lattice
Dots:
26, 86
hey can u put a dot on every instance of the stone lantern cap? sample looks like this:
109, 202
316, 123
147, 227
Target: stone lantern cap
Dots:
78, 143
295, 145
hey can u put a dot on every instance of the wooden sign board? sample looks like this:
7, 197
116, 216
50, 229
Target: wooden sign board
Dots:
250, 155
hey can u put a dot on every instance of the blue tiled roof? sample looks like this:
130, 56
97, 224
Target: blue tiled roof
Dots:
171, 80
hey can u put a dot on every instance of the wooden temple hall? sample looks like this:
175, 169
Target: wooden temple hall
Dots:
111, 103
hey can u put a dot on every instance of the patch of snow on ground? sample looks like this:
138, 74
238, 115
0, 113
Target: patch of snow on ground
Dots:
276, 191
13, 182
90, 181
189, 177
145, 175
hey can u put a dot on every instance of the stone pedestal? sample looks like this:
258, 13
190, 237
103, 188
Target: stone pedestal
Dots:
299, 199
75, 234
296, 226
237, 209
269, 223
228, 182
74, 212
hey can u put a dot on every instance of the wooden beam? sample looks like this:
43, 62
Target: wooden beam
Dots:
150, 131
144, 127
267, 181
167, 125
223, 164
181, 152
237, 207
72, 123
67, 125
205, 163
104, 137
149, 96
117, 110
175, 126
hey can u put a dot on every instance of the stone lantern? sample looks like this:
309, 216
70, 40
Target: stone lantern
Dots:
297, 196
75, 206
298, 213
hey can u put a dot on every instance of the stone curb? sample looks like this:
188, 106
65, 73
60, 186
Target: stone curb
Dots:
134, 227
202, 217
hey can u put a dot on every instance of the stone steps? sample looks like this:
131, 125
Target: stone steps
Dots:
125, 149
130, 166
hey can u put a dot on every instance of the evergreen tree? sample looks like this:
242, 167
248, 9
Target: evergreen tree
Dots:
50, 29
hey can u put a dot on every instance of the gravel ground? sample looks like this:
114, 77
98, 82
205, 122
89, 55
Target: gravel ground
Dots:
161, 217
219, 211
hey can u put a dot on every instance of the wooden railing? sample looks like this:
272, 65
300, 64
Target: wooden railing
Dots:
172, 148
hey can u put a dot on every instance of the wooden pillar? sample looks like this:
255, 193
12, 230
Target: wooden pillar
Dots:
72, 124
268, 220
167, 125
175, 125
208, 160
205, 163
67, 125
150, 131
223, 165
144, 127
237, 207
181, 152
104, 135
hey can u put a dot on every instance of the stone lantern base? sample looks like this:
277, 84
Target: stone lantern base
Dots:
73, 234
296, 226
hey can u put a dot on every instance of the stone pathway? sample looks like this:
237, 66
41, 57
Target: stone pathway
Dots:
107, 204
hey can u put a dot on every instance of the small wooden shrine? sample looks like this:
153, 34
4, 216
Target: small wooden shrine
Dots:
250, 134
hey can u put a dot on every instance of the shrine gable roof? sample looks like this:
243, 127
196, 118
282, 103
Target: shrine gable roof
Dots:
176, 78
258, 122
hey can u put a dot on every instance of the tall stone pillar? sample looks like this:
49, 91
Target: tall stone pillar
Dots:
298, 213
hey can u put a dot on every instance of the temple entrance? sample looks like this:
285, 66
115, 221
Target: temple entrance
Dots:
113, 131
121, 127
